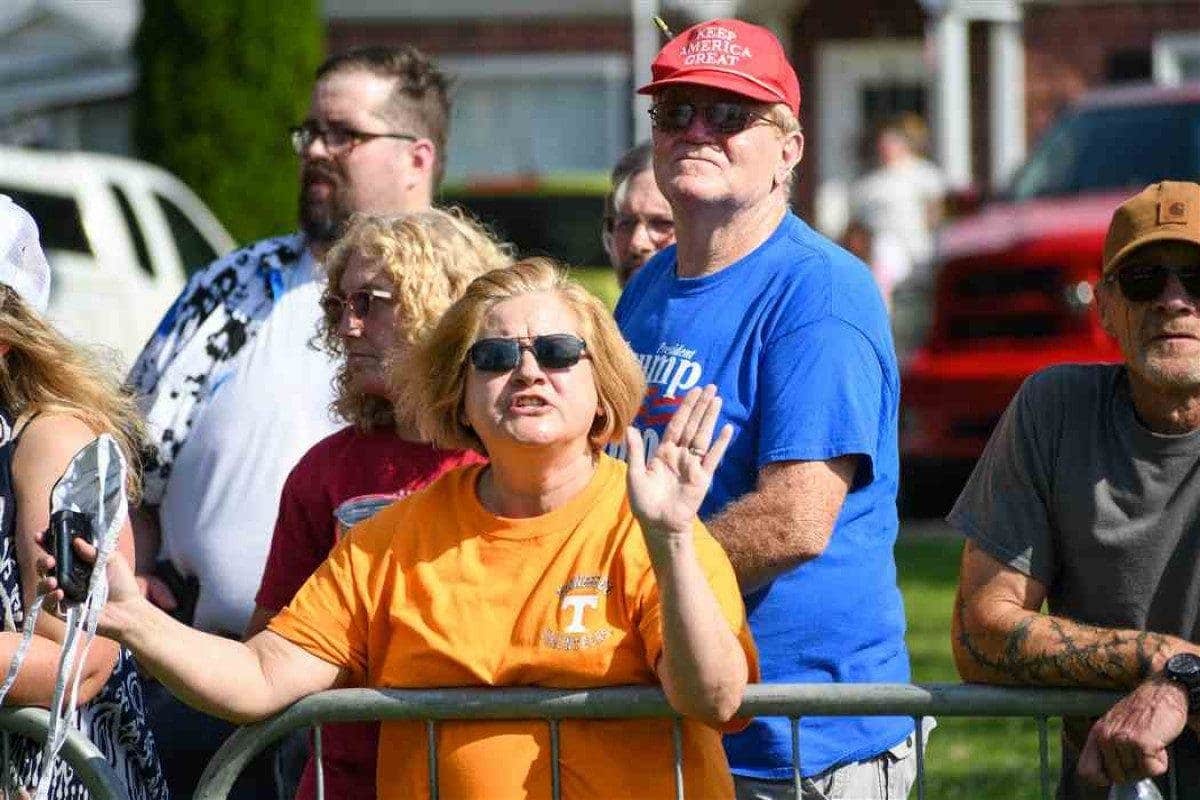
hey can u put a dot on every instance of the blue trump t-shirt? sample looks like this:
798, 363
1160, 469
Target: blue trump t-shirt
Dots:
796, 338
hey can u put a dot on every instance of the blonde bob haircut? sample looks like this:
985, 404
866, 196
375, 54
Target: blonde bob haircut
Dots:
432, 382
429, 258
42, 372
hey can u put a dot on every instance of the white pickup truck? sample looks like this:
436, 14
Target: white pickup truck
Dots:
121, 237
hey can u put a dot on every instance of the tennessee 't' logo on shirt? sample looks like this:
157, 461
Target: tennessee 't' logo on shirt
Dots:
580, 614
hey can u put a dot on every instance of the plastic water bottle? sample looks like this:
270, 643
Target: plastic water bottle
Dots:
1145, 789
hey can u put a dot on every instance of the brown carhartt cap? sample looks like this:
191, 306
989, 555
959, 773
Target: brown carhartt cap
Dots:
1162, 212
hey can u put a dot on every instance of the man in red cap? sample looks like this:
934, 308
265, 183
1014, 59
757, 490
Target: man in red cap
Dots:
794, 334
1087, 500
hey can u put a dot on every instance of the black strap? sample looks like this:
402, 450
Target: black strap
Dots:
17, 436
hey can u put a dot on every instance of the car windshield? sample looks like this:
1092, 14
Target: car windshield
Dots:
1106, 149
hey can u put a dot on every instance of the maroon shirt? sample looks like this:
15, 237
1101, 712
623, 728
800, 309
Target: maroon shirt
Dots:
338, 476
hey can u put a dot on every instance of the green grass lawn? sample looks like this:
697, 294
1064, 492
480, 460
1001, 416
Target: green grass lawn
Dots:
977, 759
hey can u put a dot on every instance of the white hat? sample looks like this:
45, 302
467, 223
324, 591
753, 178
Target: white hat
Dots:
22, 264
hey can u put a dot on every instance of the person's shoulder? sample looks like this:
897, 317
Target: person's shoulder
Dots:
1064, 396
821, 279
427, 507
55, 426
1073, 383
448, 490
806, 252
326, 451
49, 441
928, 171
869, 182
281, 251
615, 472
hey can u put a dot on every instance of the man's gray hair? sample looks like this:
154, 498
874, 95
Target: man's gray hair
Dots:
636, 159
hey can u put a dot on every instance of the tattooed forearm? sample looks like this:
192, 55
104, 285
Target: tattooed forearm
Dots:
1053, 651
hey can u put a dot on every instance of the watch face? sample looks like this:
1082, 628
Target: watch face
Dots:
1183, 666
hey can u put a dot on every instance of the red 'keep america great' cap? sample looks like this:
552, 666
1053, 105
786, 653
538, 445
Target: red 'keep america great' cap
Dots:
731, 55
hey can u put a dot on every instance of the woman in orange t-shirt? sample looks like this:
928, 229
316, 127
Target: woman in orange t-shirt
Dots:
390, 278
553, 565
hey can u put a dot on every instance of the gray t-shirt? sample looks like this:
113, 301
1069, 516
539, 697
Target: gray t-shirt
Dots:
1074, 491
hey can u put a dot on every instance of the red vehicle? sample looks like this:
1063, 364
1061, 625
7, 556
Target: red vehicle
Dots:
1014, 286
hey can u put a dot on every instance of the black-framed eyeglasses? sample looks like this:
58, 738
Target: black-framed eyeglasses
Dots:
726, 117
1141, 283
359, 302
337, 138
552, 351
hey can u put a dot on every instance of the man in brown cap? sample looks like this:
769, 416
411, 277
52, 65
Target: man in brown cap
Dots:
1087, 498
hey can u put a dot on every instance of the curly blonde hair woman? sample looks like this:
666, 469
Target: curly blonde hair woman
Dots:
53, 401
424, 261
390, 280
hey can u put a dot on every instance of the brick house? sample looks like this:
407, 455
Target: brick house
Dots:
545, 85
66, 73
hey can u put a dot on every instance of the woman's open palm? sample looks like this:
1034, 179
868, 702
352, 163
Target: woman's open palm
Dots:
666, 491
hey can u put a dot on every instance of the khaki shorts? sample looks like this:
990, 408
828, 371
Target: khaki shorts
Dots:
888, 776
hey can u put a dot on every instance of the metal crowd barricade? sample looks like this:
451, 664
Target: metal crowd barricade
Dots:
78, 751
794, 701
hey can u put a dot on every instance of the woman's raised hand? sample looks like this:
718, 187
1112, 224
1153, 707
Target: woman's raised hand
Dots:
666, 492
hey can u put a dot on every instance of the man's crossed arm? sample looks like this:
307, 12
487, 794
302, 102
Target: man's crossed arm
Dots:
1001, 636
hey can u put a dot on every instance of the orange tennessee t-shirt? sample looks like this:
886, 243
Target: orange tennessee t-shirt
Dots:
434, 591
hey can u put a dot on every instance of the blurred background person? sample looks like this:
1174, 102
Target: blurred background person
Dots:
901, 199
883, 253
390, 280
638, 221
232, 391
552, 565
54, 399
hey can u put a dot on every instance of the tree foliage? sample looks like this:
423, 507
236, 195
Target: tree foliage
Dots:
221, 81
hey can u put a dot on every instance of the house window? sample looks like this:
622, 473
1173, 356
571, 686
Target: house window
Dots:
1130, 66
537, 114
1177, 57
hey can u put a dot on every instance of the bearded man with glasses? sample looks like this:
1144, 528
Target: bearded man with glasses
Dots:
793, 333
230, 387
1087, 500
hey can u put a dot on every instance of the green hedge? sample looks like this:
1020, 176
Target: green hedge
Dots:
221, 81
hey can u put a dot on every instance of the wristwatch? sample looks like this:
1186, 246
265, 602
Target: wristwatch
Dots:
1184, 669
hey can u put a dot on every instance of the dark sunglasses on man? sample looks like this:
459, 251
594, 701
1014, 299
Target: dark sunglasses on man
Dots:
359, 302
552, 351
725, 117
1141, 283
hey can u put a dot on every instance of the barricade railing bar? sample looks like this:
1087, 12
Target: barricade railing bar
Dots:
794, 701
78, 751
